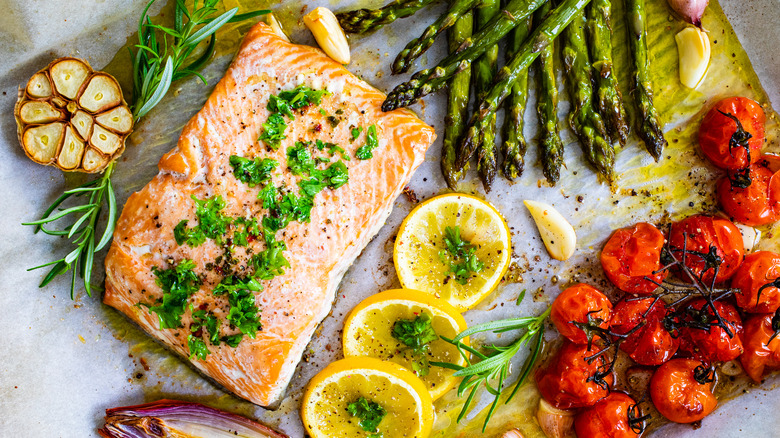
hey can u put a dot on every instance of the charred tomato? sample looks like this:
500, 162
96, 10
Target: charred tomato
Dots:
732, 133
762, 347
756, 283
648, 342
570, 380
754, 205
702, 338
681, 390
580, 312
630, 255
615, 416
710, 244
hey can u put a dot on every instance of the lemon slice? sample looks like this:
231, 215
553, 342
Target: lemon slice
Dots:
368, 331
404, 397
422, 237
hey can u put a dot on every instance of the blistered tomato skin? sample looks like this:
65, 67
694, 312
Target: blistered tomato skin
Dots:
567, 379
580, 303
758, 203
717, 130
760, 354
608, 418
757, 273
650, 344
677, 395
630, 255
697, 234
714, 344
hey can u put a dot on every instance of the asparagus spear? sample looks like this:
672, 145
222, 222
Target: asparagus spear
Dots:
418, 46
484, 73
649, 129
457, 102
427, 81
547, 106
541, 37
608, 97
514, 141
584, 119
364, 20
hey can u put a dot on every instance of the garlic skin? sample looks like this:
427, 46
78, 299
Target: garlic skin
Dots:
557, 233
693, 47
690, 10
554, 422
326, 29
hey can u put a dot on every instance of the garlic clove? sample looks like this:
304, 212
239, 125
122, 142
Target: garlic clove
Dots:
102, 93
119, 119
39, 86
276, 26
750, 236
512, 433
557, 233
41, 142
71, 151
104, 140
68, 75
554, 422
693, 48
35, 112
93, 160
329, 35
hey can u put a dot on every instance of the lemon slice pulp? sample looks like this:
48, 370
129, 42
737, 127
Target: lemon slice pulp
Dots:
421, 240
404, 397
368, 331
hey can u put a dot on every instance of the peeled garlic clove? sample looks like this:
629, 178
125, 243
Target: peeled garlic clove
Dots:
554, 422
329, 35
276, 26
732, 368
557, 233
693, 47
750, 236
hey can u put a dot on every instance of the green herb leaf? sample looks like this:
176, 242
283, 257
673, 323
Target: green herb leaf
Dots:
368, 412
252, 172
178, 284
197, 347
416, 334
356, 133
365, 152
244, 313
273, 131
460, 255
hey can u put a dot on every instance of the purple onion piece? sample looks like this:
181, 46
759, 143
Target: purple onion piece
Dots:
166, 418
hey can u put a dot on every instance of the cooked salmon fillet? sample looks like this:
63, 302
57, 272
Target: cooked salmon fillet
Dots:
342, 222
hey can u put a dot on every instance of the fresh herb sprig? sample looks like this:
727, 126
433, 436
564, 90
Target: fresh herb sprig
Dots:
460, 255
417, 334
163, 56
369, 413
490, 368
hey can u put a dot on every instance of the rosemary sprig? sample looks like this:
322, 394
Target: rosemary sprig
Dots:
492, 366
163, 56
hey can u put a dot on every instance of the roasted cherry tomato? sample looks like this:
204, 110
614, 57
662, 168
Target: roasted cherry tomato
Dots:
704, 233
569, 381
703, 340
732, 133
581, 304
630, 255
650, 344
681, 390
760, 353
756, 204
755, 283
615, 416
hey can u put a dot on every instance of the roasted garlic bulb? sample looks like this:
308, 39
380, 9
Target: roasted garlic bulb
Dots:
73, 117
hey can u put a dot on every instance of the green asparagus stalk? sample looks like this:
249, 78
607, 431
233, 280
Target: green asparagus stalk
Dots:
427, 81
484, 73
514, 145
550, 144
541, 37
457, 103
585, 121
365, 20
418, 46
649, 129
609, 100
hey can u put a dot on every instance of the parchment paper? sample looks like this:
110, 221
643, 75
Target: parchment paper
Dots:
64, 362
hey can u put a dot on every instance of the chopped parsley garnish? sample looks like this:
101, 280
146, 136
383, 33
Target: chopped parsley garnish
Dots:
252, 172
356, 132
333, 121
460, 255
197, 347
369, 413
178, 284
245, 228
299, 97
273, 131
416, 334
332, 149
323, 112
335, 176
244, 313
234, 283
212, 223
365, 152
191, 236
270, 262
207, 322
299, 159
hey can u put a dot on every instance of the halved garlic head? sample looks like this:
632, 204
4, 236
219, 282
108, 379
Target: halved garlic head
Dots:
693, 47
276, 26
554, 422
72, 117
328, 32
557, 233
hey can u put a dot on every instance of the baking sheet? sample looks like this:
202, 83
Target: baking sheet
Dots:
64, 362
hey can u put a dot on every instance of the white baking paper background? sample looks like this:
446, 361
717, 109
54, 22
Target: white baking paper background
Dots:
63, 361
